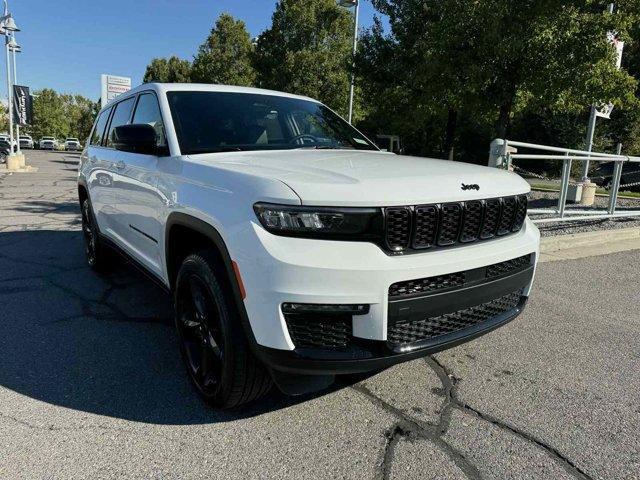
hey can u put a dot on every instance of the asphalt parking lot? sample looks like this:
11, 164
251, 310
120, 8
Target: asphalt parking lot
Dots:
92, 386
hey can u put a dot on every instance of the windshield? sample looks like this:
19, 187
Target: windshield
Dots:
221, 122
47, 138
72, 139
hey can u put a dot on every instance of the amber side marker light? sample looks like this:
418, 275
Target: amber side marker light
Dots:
236, 270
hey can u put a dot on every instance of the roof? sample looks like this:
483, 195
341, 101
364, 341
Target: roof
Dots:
207, 87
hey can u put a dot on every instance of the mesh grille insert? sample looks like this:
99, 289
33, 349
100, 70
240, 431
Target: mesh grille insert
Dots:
450, 215
457, 279
471, 222
398, 228
491, 218
521, 213
426, 226
403, 334
508, 213
424, 285
319, 331
508, 267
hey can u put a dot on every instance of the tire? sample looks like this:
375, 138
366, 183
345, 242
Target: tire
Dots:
212, 342
95, 252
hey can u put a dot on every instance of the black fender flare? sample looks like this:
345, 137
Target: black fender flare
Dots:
212, 234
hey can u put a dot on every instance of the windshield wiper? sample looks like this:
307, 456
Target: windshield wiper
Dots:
215, 150
324, 147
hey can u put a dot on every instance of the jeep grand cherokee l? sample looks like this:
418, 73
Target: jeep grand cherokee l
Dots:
295, 250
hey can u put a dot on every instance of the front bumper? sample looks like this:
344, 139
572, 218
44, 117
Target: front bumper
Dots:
277, 270
300, 362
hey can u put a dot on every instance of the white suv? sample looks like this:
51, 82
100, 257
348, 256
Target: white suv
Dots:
295, 250
26, 141
48, 143
72, 144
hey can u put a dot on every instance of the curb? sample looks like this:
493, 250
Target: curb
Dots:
589, 244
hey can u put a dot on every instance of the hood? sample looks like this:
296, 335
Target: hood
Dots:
367, 178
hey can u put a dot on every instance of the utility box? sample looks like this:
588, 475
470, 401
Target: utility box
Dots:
574, 193
497, 159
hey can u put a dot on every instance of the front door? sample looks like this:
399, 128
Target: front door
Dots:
140, 203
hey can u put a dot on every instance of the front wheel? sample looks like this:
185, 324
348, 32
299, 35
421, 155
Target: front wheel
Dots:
212, 342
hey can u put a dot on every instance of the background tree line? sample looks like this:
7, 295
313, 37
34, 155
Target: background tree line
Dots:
58, 115
448, 77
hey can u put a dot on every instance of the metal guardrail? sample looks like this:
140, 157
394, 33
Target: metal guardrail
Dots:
504, 152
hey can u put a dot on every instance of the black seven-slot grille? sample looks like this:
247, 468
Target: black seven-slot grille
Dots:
442, 225
402, 334
422, 286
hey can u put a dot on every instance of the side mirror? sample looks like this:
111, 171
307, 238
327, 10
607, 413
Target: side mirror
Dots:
136, 138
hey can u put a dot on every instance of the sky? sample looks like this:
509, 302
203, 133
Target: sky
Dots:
67, 44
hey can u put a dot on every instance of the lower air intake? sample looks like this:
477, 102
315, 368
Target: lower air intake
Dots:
406, 334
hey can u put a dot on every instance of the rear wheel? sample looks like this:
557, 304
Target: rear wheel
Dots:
94, 251
213, 345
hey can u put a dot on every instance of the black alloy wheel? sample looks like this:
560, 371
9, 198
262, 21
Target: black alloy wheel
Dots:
198, 324
212, 341
92, 247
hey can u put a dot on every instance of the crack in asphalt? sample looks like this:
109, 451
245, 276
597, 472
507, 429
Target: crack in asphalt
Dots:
106, 428
411, 429
449, 382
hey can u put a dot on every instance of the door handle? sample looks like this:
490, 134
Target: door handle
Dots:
120, 165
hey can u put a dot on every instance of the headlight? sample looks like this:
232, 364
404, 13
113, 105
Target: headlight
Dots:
364, 224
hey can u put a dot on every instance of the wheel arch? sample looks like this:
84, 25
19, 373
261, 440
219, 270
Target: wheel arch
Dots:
83, 191
184, 234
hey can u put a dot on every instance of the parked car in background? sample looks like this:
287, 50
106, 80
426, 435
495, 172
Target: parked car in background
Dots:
294, 248
26, 141
603, 175
5, 148
5, 137
72, 144
48, 143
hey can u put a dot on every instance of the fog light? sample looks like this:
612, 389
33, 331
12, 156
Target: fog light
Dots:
325, 309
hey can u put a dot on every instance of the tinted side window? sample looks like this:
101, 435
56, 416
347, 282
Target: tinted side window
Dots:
98, 129
120, 117
148, 111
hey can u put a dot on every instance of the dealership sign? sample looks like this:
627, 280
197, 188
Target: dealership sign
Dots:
22, 106
113, 86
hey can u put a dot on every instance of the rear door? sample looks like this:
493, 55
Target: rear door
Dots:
121, 116
140, 202
100, 166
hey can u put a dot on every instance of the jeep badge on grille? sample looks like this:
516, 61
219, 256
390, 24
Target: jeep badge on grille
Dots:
471, 186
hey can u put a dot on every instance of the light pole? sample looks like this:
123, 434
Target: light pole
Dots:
7, 27
591, 130
15, 48
355, 4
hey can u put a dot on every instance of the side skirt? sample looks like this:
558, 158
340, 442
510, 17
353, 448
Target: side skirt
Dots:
107, 242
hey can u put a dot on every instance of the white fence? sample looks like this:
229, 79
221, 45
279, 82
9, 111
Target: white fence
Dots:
503, 154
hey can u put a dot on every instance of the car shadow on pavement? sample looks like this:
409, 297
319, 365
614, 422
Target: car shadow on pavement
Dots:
102, 344
45, 206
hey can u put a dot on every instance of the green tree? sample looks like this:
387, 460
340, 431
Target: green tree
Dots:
475, 65
49, 114
225, 57
4, 118
62, 115
81, 113
172, 70
307, 51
